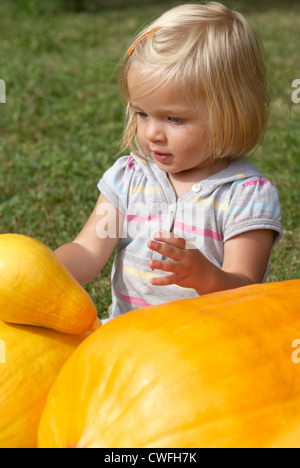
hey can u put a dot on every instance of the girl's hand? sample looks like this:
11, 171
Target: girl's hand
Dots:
245, 261
186, 267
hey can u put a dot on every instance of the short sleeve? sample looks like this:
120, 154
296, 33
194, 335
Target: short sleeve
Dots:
254, 204
115, 183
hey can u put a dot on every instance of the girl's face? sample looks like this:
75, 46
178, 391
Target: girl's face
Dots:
169, 128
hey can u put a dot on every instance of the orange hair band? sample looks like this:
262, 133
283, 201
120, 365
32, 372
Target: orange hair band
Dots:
140, 39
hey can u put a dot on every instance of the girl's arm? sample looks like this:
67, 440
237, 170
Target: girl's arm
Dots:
89, 252
246, 258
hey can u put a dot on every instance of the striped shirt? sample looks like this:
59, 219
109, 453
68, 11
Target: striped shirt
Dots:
230, 202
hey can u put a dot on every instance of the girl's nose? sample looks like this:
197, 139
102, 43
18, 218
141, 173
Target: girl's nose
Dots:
154, 131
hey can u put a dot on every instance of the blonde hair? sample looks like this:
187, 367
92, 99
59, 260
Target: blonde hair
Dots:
206, 49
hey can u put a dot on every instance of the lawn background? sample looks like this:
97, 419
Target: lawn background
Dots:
62, 120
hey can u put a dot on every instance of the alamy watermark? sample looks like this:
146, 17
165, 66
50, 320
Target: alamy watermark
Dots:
295, 356
143, 222
296, 353
296, 93
2, 92
2, 352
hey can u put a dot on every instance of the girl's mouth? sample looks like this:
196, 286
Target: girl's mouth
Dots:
161, 157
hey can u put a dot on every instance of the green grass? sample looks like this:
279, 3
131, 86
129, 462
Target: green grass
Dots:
62, 122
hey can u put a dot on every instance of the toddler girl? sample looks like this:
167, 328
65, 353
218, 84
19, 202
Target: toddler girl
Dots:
188, 212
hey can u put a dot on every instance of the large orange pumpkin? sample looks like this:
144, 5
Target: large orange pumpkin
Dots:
215, 371
31, 358
37, 289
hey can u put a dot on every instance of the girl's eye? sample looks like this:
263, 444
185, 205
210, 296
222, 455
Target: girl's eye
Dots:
142, 115
176, 120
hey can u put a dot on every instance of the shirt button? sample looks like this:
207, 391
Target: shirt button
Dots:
172, 209
196, 188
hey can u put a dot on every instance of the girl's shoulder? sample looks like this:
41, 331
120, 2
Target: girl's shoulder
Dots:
252, 202
130, 163
117, 182
248, 181
237, 170
241, 176
240, 180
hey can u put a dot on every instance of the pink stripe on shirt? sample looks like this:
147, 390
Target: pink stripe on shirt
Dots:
143, 220
257, 182
130, 163
131, 300
199, 231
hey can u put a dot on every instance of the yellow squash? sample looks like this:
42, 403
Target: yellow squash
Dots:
30, 359
215, 371
37, 289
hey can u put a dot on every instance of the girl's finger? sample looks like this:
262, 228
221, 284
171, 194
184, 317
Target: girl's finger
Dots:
164, 265
170, 239
164, 280
165, 250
